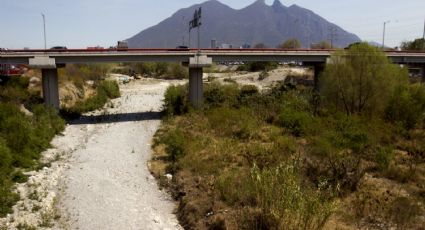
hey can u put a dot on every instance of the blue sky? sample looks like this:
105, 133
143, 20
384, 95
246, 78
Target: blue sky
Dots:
82, 23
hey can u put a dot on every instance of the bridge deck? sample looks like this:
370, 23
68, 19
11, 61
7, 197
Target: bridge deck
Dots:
179, 55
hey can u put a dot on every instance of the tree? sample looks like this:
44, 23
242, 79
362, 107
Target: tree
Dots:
321, 45
291, 44
360, 80
259, 46
417, 44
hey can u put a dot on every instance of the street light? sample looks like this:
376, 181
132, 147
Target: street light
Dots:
296, 30
44, 27
383, 34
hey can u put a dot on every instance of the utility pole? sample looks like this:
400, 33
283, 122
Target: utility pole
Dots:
423, 38
383, 34
44, 27
333, 36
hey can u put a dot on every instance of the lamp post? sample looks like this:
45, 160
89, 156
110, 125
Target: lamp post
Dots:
383, 34
296, 30
44, 27
423, 38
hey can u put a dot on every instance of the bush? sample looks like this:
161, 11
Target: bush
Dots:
175, 143
216, 95
176, 100
7, 197
22, 139
177, 71
15, 91
104, 91
298, 123
285, 203
360, 80
258, 66
5, 159
407, 106
110, 88
384, 157
233, 123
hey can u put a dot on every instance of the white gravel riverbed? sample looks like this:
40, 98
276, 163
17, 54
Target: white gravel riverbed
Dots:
98, 178
108, 185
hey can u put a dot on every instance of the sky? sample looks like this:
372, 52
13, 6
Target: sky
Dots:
83, 23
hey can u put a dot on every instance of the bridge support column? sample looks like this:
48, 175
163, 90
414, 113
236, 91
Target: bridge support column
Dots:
50, 87
196, 88
423, 74
318, 69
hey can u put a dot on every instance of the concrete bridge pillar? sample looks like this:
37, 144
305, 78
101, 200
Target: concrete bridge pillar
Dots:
423, 73
50, 87
318, 70
49, 74
196, 88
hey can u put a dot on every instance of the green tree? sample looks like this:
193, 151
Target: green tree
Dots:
360, 80
321, 45
417, 44
290, 44
259, 46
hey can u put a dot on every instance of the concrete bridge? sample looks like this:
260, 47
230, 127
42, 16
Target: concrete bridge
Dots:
49, 60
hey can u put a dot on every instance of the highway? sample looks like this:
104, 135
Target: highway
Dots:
183, 55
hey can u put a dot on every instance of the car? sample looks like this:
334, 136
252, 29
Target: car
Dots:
182, 48
59, 48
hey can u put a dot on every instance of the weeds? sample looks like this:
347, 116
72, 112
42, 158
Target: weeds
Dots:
105, 90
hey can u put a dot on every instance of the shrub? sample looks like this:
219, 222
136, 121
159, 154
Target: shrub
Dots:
285, 203
360, 80
384, 157
258, 66
175, 143
177, 71
216, 95
104, 90
233, 123
7, 197
298, 123
5, 159
15, 91
407, 106
175, 100
111, 89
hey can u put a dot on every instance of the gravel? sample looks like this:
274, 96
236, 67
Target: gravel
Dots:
108, 185
96, 175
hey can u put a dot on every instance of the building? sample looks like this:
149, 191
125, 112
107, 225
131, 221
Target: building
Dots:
213, 43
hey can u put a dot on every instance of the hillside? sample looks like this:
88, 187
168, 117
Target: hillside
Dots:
253, 24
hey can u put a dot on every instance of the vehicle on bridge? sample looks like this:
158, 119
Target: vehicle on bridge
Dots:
59, 48
122, 45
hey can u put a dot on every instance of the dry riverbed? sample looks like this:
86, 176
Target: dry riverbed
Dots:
96, 174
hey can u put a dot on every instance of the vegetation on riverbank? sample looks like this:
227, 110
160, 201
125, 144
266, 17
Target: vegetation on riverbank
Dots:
22, 137
27, 125
352, 156
105, 90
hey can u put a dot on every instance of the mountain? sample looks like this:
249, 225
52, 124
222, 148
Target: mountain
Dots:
256, 23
